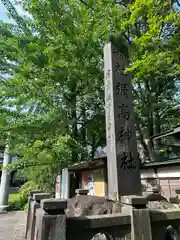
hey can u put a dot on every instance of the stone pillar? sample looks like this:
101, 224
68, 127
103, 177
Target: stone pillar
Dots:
65, 184
5, 181
38, 197
34, 204
122, 156
30, 199
133, 202
52, 220
58, 186
140, 219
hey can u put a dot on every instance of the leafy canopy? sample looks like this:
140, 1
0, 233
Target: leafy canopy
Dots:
51, 82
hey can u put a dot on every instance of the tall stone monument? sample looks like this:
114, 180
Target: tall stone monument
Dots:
122, 157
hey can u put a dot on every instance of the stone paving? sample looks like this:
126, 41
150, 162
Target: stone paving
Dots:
12, 226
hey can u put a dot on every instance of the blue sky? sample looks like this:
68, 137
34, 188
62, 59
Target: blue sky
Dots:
3, 14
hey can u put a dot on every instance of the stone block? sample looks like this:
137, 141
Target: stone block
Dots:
4, 208
141, 225
155, 190
173, 200
39, 196
134, 200
177, 191
31, 218
50, 226
154, 197
33, 192
82, 191
116, 207
54, 205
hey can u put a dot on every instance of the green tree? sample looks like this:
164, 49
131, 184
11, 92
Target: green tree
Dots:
55, 93
52, 99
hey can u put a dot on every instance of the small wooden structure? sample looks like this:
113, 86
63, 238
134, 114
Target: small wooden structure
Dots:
166, 174
92, 175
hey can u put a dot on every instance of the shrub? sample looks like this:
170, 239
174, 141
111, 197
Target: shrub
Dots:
25, 208
15, 202
18, 200
26, 188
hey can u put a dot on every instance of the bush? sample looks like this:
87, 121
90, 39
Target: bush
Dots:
25, 208
16, 203
19, 200
26, 188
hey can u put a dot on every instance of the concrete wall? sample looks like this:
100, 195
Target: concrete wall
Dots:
161, 172
148, 173
167, 177
169, 172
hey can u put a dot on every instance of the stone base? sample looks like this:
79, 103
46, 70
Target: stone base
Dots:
151, 197
82, 191
132, 201
58, 195
126, 209
4, 208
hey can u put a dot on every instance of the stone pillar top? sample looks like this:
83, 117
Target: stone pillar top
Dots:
40, 196
134, 200
33, 192
81, 191
177, 191
54, 205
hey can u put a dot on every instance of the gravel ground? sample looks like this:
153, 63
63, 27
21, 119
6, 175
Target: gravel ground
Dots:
12, 226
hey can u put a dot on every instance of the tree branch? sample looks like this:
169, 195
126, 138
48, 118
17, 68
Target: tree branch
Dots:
82, 1
169, 107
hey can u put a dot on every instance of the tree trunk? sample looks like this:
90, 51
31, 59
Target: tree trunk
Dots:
150, 128
83, 131
73, 106
83, 128
145, 154
157, 130
93, 147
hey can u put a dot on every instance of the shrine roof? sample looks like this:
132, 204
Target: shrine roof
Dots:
174, 161
101, 162
94, 163
175, 131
